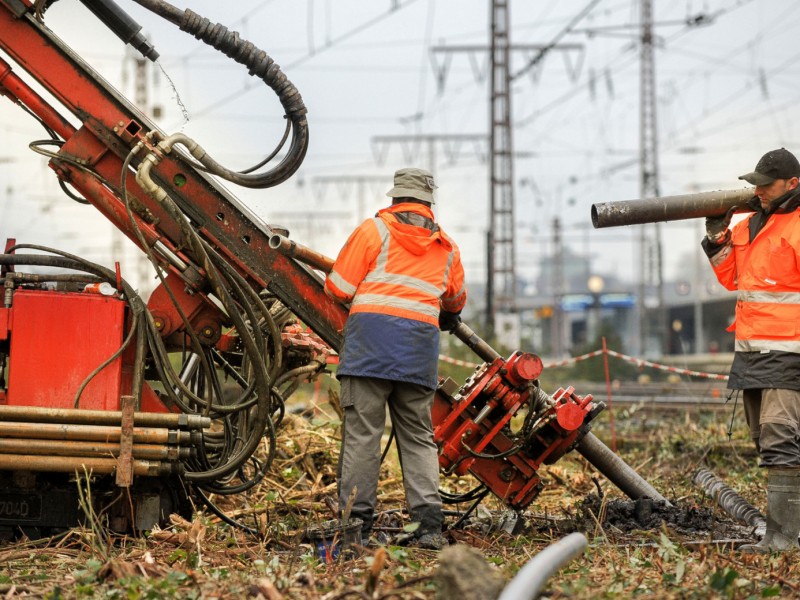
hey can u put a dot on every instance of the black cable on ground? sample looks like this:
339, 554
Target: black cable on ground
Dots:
470, 510
225, 518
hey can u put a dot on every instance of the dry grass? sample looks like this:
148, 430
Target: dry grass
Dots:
209, 559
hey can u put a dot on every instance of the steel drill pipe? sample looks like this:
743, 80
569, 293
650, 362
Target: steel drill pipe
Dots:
299, 252
71, 464
475, 343
617, 470
91, 433
90, 449
101, 417
668, 208
731, 502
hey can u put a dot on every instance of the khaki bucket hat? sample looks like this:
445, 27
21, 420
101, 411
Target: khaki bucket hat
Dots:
413, 183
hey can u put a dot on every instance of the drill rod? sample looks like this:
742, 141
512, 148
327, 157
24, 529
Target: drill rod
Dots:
70, 464
302, 253
616, 470
669, 208
91, 433
87, 449
100, 417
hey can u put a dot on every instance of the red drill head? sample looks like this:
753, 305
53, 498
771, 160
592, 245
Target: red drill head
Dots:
523, 367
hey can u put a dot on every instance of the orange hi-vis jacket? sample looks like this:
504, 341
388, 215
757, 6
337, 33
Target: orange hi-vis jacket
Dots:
766, 273
397, 271
395, 268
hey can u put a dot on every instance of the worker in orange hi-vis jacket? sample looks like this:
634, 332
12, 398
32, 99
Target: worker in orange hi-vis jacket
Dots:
403, 278
760, 258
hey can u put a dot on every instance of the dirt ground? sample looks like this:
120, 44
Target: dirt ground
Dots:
687, 550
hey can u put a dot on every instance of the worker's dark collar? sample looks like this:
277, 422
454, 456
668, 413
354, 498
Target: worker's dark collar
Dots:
788, 202
416, 219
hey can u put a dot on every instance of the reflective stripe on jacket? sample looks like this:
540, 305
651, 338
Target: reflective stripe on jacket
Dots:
766, 273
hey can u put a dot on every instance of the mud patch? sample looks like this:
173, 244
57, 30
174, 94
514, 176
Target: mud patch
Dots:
645, 514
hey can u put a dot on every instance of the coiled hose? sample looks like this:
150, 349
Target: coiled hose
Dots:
259, 65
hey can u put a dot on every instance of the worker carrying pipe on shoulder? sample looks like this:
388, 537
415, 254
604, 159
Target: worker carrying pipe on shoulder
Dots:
760, 258
404, 281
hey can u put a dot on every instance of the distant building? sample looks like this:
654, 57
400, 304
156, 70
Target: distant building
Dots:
559, 313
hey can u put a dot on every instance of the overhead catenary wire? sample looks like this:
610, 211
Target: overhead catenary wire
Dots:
352, 32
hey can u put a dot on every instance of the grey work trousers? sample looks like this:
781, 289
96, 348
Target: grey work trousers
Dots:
774, 420
364, 401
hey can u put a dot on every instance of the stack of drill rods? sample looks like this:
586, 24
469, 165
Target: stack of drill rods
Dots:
66, 440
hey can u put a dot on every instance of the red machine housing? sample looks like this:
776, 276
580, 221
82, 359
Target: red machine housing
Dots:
56, 339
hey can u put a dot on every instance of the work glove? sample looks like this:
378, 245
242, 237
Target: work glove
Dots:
448, 321
717, 227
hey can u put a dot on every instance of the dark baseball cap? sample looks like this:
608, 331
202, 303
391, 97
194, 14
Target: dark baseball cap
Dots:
775, 164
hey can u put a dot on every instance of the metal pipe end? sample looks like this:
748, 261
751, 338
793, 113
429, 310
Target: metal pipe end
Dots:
595, 217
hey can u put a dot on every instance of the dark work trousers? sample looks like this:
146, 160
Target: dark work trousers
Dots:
364, 401
774, 420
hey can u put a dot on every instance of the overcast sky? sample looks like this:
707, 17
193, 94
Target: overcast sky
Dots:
726, 94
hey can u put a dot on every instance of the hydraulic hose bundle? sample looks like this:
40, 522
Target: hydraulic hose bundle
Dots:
260, 65
224, 458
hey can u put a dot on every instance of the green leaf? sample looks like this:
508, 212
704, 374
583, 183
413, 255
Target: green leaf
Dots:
680, 571
771, 591
176, 555
722, 580
412, 527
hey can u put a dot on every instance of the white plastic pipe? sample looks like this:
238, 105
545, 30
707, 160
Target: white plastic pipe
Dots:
527, 584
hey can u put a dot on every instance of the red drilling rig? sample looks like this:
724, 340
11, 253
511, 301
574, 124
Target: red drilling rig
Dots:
161, 400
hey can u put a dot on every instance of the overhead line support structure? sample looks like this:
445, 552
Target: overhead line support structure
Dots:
501, 280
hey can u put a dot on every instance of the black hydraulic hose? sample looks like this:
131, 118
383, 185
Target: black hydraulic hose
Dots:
274, 331
222, 516
260, 65
462, 519
469, 496
123, 25
63, 260
156, 345
40, 260
251, 345
272, 154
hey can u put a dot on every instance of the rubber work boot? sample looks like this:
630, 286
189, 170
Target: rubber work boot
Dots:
431, 541
783, 513
429, 535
